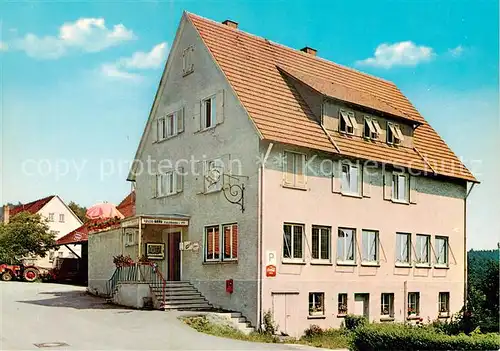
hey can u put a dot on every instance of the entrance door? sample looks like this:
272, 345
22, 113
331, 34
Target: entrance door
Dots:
283, 313
361, 304
174, 256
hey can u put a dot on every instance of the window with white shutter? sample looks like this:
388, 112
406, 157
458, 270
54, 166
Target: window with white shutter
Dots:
294, 170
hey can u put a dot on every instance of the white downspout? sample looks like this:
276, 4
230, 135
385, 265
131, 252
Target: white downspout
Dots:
260, 230
465, 244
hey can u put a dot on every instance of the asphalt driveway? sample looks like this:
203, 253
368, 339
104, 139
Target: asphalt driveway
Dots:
36, 316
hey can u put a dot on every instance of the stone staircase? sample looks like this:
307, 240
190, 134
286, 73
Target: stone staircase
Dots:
180, 295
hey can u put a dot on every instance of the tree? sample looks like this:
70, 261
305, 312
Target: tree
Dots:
80, 211
25, 235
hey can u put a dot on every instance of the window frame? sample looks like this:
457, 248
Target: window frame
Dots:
314, 299
377, 245
206, 246
320, 233
395, 187
418, 250
447, 252
213, 112
296, 166
387, 305
349, 119
162, 181
61, 218
223, 244
293, 259
342, 305
358, 182
446, 311
413, 311
345, 261
187, 60
408, 248
374, 129
51, 216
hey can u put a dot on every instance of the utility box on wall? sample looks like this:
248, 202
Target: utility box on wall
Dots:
229, 286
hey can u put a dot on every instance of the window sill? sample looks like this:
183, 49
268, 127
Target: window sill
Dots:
386, 319
402, 265
210, 263
444, 315
169, 195
165, 139
341, 315
413, 318
439, 266
370, 264
344, 263
206, 129
185, 74
299, 262
357, 196
423, 265
402, 202
288, 186
321, 263
322, 316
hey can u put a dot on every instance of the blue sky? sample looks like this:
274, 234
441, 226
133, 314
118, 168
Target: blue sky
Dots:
78, 80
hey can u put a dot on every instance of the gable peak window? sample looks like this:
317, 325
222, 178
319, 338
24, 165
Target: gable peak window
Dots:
208, 112
347, 123
51, 217
394, 134
187, 60
293, 242
372, 128
400, 187
351, 178
61, 217
294, 168
346, 241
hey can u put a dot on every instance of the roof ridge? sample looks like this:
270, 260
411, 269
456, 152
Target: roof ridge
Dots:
292, 49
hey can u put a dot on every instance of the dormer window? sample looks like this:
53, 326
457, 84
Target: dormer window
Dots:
372, 129
347, 122
394, 134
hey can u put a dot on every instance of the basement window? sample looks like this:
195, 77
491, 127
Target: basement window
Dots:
347, 122
394, 134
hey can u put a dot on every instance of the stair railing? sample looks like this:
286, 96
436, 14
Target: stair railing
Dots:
153, 276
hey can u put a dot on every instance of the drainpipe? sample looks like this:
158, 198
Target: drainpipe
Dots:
465, 245
405, 301
260, 230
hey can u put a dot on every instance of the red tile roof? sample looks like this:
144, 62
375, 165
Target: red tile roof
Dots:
127, 206
280, 114
31, 207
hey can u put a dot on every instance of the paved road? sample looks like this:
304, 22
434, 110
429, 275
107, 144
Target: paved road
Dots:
49, 313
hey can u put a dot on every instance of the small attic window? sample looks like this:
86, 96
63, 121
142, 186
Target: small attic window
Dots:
372, 128
394, 134
347, 122
187, 61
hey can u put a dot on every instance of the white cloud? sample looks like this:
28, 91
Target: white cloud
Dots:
85, 34
457, 51
405, 53
139, 60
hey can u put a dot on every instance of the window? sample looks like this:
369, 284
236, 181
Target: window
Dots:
387, 305
230, 242
372, 129
51, 256
345, 245
394, 134
166, 183
403, 248
321, 243
214, 170
60, 254
316, 304
351, 178
444, 303
342, 304
130, 238
294, 169
400, 187
209, 113
442, 250
293, 241
347, 122
369, 243
51, 217
170, 125
423, 249
187, 61
413, 304
212, 240
61, 217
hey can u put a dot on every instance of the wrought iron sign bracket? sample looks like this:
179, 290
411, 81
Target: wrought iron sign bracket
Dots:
234, 190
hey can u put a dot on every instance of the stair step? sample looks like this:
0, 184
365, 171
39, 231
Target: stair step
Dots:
187, 306
182, 297
242, 320
185, 301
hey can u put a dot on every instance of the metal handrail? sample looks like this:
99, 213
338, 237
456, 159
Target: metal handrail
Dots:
155, 278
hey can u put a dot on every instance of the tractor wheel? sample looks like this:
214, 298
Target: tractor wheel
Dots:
6, 276
30, 274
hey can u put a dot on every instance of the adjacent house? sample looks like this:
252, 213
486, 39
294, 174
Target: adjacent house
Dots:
60, 219
280, 181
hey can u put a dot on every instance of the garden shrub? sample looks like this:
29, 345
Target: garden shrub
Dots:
313, 330
352, 322
406, 337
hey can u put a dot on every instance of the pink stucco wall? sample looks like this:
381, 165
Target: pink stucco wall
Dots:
439, 211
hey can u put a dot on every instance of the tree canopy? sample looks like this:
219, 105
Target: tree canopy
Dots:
25, 235
80, 211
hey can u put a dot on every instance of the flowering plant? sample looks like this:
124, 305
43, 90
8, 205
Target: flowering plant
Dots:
123, 261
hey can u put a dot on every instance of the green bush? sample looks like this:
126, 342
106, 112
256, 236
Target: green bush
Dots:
313, 330
406, 337
352, 321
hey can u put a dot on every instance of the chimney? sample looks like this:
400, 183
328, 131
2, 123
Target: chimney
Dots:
230, 23
309, 50
6, 214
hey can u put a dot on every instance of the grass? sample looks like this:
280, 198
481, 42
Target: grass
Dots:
331, 338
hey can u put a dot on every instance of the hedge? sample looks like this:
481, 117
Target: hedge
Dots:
375, 337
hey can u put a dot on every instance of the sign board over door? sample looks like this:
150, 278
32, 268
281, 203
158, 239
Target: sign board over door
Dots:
158, 221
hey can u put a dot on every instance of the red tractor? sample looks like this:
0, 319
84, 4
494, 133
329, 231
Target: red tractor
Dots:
28, 273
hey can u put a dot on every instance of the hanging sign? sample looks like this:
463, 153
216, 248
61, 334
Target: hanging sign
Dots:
270, 263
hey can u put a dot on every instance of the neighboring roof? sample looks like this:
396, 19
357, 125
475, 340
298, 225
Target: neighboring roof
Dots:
280, 114
127, 206
31, 207
78, 235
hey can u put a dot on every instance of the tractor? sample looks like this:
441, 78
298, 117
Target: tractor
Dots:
28, 273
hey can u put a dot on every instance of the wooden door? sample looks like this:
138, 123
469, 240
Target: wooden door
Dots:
174, 256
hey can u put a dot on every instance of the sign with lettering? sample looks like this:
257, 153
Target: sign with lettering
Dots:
158, 221
130, 223
189, 246
270, 263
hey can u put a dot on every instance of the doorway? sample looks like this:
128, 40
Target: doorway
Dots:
284, 306
362, 305
174, 257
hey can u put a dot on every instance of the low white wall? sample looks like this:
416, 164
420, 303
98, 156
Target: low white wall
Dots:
132, 294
